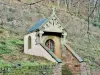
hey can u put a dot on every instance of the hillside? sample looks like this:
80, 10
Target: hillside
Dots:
79, 41
16, 19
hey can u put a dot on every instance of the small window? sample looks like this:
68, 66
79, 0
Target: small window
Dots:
50, 44
29, 42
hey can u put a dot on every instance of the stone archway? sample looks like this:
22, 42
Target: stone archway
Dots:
57, 44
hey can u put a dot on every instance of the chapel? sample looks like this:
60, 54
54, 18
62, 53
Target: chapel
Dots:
47, 38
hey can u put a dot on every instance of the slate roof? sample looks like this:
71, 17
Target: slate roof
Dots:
37, 25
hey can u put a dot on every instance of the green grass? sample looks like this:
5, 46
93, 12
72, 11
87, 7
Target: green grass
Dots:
4, 49
9, 45
4, 63
25, 68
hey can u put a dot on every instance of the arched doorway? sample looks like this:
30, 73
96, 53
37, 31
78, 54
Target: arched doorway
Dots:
50, 44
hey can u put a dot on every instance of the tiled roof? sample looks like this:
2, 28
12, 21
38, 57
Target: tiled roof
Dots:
37, 25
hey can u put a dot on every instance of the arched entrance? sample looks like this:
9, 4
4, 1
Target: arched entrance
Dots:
50, 44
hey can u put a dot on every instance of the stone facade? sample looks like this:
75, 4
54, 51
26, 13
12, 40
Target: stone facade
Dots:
57, 70
35, 49
44, 30
72, 63
57, 43
72, 60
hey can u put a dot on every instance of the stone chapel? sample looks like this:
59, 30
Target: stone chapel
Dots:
47, 38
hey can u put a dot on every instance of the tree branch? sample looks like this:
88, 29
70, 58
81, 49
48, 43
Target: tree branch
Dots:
34, 2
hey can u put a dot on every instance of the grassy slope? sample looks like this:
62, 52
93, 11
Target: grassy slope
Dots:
11, 49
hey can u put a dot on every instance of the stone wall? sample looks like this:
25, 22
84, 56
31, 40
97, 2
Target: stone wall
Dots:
57, 70
72, 63
95, 72
77, 67
52, 69
84, 69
